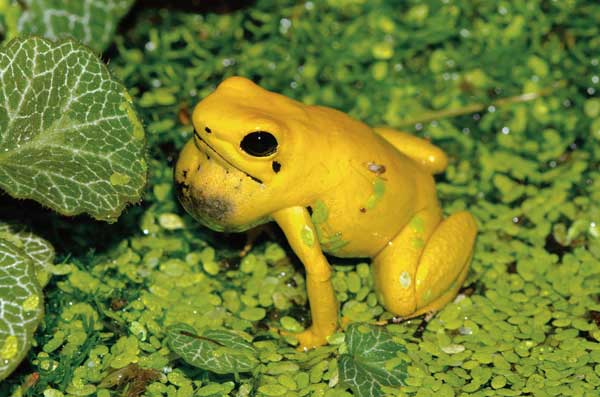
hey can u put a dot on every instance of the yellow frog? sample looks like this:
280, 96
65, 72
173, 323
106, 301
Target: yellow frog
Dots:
334, 185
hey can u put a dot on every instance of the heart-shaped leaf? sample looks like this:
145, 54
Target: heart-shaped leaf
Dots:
92, 22
364, 368
69, 137
217, 350
21, 305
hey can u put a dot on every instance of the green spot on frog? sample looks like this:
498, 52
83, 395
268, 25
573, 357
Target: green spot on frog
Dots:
308, 237
378, 191
418, 224
320, 212
418, 242
333, 243
427, 296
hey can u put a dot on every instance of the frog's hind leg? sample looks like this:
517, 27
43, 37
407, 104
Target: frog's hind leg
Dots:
444, 263
396, 266
425, 264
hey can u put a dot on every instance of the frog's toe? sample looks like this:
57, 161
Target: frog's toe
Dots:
309, 339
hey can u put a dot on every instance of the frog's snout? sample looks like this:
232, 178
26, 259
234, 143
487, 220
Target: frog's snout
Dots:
209, 209
199, 189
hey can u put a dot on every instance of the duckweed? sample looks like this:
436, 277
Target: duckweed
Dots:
526, 320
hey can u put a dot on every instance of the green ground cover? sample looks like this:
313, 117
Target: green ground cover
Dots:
527, 320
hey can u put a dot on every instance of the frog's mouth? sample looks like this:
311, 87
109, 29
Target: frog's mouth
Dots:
214, 151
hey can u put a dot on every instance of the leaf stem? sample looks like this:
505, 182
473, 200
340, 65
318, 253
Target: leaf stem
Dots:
477, 107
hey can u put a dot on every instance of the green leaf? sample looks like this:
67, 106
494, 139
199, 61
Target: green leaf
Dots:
364, 368
21, 305
217, 350
90, 21
69, 137
39, 251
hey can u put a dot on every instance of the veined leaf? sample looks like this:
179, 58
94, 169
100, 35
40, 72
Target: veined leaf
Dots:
69, 137
364, 368
39, 251
92, 22
217, 350
21, 305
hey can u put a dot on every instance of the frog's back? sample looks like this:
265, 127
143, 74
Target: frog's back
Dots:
373, 189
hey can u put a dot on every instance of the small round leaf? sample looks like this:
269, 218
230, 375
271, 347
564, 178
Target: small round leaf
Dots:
218, 350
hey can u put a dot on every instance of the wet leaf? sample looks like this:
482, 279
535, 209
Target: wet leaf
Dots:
217, 350
21, 305
66, 129
39, 251
363, 369
89, 21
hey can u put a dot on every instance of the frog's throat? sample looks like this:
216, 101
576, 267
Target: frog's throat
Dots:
255, 179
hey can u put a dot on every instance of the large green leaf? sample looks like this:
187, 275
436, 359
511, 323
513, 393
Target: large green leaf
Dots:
364, 369
217, 350
21, 305
39, 251
92, 22
69, 137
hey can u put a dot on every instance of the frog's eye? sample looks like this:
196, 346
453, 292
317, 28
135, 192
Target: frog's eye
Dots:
259, 144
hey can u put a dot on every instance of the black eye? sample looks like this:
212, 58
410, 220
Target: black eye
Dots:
259, 144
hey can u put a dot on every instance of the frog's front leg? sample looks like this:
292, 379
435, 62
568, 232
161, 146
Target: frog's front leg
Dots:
424, 266
300, 233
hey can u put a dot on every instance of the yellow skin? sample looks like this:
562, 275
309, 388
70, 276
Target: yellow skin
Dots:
334, 185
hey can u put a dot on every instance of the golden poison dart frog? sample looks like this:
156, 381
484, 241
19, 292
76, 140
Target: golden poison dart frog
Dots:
333, 185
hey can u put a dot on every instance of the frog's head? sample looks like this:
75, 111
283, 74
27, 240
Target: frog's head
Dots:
232, 174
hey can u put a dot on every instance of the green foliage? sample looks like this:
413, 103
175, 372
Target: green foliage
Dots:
90, 22
216, 350
23, 256
527, 321
365, 368
70, 138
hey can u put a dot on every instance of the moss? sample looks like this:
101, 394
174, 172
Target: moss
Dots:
526, 321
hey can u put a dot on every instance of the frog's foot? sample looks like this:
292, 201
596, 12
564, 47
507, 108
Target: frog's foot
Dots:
307, 339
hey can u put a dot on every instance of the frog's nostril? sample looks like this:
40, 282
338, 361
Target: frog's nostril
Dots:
208, 130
